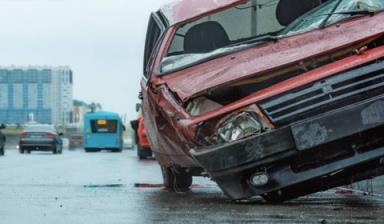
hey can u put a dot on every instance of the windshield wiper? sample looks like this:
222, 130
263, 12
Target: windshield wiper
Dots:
322, 25
258, 40
351, 13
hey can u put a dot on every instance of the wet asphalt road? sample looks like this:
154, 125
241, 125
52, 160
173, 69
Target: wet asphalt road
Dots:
76, 187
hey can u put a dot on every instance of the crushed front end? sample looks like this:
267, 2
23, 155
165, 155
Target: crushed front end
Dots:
326, 134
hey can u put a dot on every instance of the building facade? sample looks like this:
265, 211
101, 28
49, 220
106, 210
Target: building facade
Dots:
80, 108
42, 93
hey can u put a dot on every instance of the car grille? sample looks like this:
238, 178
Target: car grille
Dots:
327, 94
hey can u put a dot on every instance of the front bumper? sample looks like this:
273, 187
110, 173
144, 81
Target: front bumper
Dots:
329, 150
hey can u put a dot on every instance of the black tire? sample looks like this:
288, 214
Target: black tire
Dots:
89, 150
29, 151
2, 151
55, 151
176, 179
21, 150
117, 150
143, 153
140, 152
278, 197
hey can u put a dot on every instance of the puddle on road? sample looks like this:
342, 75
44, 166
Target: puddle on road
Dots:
104, 186
136, 185
146, 185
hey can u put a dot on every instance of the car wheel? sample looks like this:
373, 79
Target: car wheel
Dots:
29, 151
140, 152
54, 151
176, 179
21, 150
2, 151
276, 197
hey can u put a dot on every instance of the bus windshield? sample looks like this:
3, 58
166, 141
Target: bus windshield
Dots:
104, 126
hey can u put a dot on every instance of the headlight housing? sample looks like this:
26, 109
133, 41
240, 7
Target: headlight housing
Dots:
238, 127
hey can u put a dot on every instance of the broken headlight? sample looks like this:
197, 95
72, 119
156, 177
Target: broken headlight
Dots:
238, 127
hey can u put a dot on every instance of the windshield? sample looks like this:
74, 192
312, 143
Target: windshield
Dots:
252, 23
221, 33
104, 126
315, 18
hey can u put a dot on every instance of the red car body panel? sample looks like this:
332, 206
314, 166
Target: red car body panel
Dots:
265, 58
167, 143
183, 10
142, 135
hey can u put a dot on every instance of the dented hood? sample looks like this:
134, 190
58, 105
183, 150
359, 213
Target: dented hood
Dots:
195, 80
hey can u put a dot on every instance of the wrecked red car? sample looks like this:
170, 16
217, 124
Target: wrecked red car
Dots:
277, 99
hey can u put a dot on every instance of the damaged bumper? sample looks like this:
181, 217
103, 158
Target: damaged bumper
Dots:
335, 148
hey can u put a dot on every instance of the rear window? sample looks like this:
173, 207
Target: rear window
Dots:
40, 128
104, 126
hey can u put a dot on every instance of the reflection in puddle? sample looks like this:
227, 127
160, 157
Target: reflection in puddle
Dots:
104, 185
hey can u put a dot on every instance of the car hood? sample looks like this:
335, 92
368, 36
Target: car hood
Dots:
260, 59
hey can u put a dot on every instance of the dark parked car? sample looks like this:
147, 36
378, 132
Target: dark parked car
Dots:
2, 140
41, 138
76, 141
285, 100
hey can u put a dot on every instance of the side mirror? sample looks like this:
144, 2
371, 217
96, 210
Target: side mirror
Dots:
138, 107
135, 124
3, 126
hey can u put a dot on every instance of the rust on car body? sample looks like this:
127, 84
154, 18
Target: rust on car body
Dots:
273, 110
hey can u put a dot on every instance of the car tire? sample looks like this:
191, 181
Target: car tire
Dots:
140, 152
55, 151
21, 150
143, 153
29, 151
176, 179
277, 197
2, 151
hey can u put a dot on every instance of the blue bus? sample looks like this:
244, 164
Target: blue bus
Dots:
103, 130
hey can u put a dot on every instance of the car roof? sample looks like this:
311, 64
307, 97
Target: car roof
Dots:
40, 127
102, 115
181, 11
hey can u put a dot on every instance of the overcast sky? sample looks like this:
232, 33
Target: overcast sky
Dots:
101, 40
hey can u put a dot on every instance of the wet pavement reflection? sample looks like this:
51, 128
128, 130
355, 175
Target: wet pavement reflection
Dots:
118, 188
